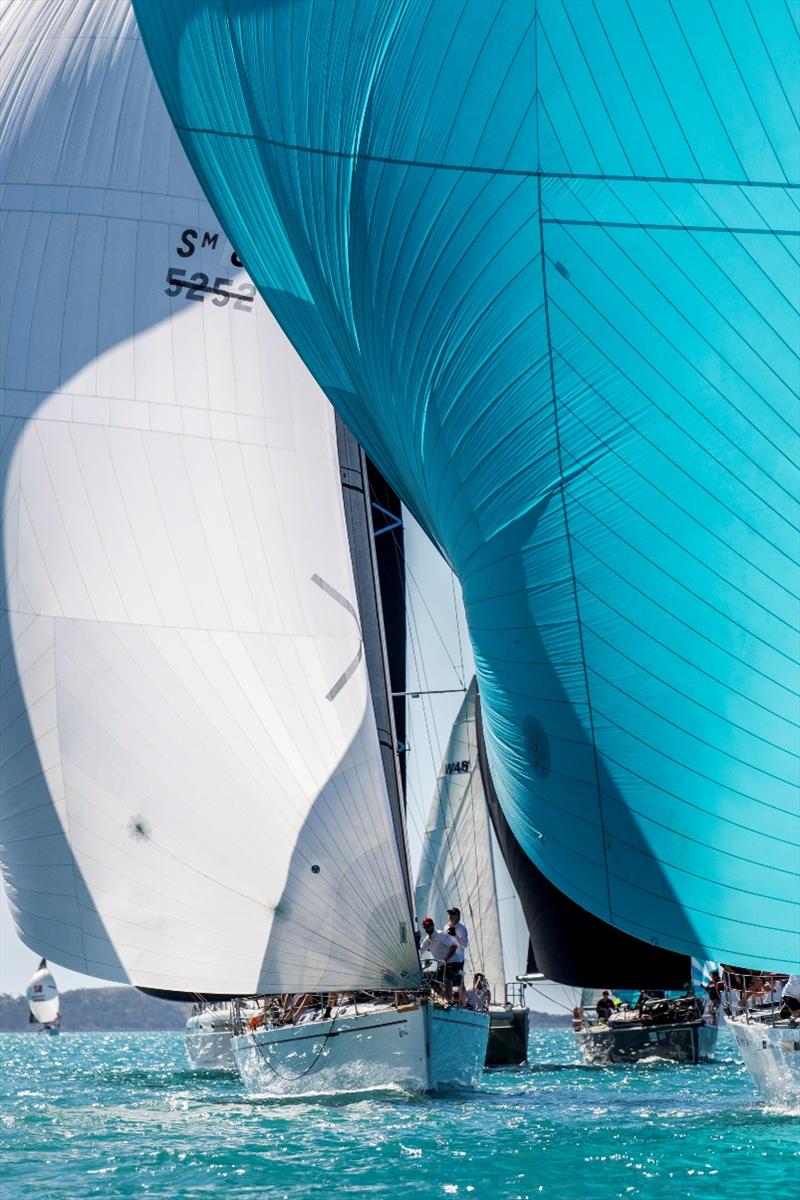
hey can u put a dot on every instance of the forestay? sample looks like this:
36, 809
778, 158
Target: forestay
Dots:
542, 257
456, 866
193, 796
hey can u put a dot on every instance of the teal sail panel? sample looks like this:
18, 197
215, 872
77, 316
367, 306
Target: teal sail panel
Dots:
543, 259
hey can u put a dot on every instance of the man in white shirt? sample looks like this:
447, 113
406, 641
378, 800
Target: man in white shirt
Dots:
791, 997
457, 930
440, 946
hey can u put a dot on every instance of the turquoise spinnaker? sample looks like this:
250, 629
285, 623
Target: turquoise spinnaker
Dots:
543, 259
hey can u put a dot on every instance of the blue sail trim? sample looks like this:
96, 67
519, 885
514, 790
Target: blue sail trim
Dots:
543, 259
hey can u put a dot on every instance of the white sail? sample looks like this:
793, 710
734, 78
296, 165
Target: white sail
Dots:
42, 993
590, 996
193, 796
456, 866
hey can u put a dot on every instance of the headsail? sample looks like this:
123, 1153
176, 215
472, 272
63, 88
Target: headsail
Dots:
190, 755
542, 258
456, 865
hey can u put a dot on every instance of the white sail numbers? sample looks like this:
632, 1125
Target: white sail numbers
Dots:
199, 284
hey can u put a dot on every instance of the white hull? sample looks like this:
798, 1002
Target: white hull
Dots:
708, 1042
771, 1054
210, 1051
416, 1048
208, 1042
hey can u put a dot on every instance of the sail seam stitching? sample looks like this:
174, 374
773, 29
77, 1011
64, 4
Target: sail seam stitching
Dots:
677, 227
554, 398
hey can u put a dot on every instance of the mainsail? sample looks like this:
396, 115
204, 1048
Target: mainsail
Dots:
456, 866
542, 258
193, 790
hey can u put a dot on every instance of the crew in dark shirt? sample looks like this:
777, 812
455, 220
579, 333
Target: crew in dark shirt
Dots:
604, 1006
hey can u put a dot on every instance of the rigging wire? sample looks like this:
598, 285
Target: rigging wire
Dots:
457, 616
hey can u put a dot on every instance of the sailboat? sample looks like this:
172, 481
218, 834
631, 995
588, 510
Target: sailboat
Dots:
198, 749
457, 867
42, 994
540, 258
645, 1026
766, 1031
398, 1036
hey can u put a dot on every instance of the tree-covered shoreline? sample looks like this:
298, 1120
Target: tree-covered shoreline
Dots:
104, 1009
120, 1009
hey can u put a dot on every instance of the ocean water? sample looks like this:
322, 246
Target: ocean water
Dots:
113, 1115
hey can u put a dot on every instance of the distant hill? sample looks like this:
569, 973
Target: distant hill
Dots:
109, 1009
542, 1020
100, 1010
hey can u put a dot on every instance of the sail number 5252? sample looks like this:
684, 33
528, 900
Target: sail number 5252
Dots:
198, 285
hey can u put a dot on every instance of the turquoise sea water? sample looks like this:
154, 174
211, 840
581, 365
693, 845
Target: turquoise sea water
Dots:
113, 1115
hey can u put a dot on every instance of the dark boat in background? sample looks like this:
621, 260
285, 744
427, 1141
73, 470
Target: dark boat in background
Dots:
509, 1027
672, 1028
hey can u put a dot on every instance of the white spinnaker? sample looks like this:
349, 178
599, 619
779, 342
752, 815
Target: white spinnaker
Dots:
456, 866
42, 993
193, 796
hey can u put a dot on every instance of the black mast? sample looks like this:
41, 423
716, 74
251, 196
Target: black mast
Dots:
364, 552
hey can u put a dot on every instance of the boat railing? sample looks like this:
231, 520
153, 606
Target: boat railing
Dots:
649, 1011
300, 1008
752, 996
275, 1011
514, 994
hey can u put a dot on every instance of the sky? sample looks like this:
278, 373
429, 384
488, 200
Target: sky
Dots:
439, 659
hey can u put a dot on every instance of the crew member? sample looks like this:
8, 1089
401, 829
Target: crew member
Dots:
439, 946
604, 1006
478, 994
458, 930
791, 997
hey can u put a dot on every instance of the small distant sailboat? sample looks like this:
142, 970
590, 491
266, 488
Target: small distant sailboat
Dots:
42, 993
458, 867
